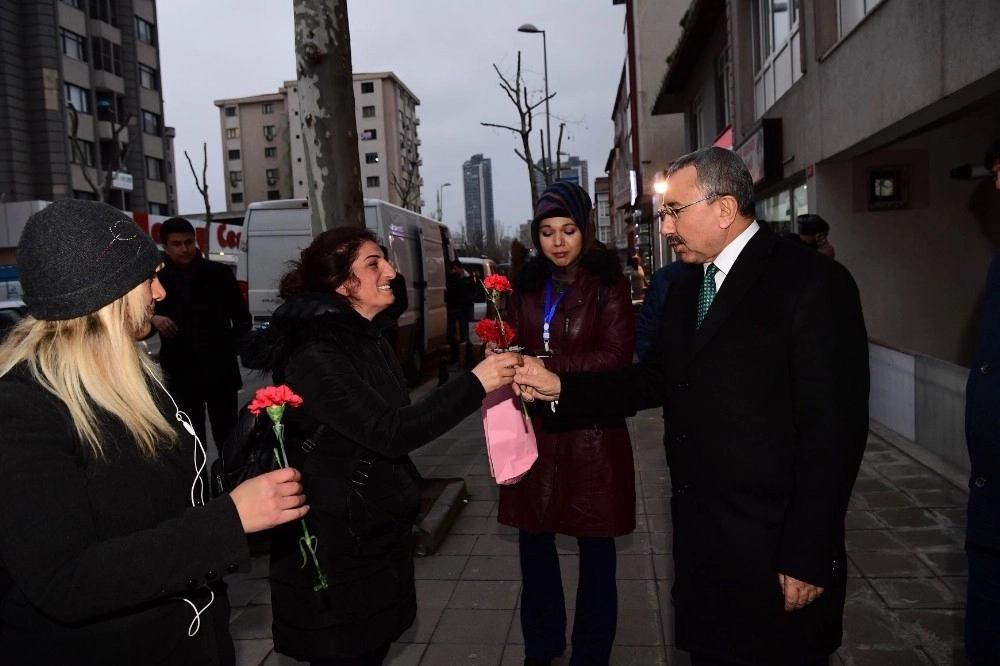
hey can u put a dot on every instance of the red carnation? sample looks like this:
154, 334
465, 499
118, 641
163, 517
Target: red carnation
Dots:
500, 334
273, 396
497, 283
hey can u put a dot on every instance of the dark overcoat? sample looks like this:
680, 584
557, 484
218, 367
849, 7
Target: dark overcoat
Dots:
583, 483
99, 558
363, 500
211, 328
768, 410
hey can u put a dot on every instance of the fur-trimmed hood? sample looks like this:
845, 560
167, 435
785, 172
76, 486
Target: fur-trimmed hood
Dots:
602, 263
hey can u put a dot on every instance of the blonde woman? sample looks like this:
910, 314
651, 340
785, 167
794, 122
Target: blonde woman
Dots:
108, 552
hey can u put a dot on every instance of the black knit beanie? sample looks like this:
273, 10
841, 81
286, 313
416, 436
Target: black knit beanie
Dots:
564, 199
77, 256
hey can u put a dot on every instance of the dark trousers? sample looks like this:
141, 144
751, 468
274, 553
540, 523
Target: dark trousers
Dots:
373, 658
222, 405
982, 611
458, 329
702, 660
543, 606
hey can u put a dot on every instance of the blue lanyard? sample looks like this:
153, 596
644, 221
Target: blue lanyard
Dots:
550, 309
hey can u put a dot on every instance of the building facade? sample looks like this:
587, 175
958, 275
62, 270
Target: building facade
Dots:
264, 155
571, 169
81, 112
477, 185
868, 113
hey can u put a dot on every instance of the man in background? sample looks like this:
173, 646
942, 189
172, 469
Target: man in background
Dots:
814, 232
202, 323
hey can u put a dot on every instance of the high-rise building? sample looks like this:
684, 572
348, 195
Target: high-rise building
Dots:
571, 169
477, 179
264, 155
97, 61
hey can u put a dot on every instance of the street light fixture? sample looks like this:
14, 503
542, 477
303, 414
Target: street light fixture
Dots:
532, 30
441, 187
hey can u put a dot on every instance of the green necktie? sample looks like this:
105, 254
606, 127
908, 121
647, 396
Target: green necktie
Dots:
707, 292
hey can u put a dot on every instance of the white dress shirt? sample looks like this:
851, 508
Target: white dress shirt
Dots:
724, 262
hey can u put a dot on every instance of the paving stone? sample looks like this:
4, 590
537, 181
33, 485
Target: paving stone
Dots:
626, 655
461, 654
423, 627
947, 561
926, 482
487, 594
635, 566
496, 544
405, 654
489, 627
859, 656
275, 659
956, 517
959, 585
492, 567
905, 467
658, 523
885, 565
866, 619
871, 484
637, 595
915, 593
663, 566
457, 544
253, 651
882, 500
940, 498
657, 505
638, 627
862, 520
871, 540
470, 525
655, 490
434, 593
939, 632
636, 543
482, 491
251, 622
242, 593
896, 518
440, 567
930, 537
479, 508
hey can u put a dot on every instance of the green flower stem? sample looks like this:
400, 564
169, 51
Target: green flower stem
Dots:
494, 296
307, 542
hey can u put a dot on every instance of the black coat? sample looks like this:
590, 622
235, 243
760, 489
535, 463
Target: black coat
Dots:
768, 410
97, 554
357, 480
982, 423
210, 329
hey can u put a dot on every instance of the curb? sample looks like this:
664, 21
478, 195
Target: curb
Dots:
435, 526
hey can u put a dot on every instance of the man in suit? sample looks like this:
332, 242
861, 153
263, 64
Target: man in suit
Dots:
763, 373
982, 434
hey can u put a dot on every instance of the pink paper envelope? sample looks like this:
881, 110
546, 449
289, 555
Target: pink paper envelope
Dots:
510, 438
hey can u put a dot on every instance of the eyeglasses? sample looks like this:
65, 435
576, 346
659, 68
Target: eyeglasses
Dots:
676, 212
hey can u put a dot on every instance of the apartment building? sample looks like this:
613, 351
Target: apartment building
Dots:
477, 185
81, 109
571, 168
871, 114
263, 153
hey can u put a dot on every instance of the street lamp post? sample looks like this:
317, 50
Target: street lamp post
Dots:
531, 29
439, 211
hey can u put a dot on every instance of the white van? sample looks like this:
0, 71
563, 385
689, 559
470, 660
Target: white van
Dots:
275, 232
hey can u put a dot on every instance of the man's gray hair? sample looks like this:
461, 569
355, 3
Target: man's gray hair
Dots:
720, 172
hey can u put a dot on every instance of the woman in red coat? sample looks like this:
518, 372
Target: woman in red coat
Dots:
572, 306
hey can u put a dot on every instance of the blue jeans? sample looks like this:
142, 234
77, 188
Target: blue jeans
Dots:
982, 612
543, 606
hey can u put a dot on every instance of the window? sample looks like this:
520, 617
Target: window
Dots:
267, 108
234, 154
850, 13
603, 208
367, 87
775, 27
372, 181
151, 123
87, 150
272, 174
235, 177
605, 234
78, 97
74, 3
148, 77
236, 197
270, 131
84, 195
107, 55
271, 152
695, 122
371, 158
369, 135
233, 133
230, 111
273, 195
154, 168
145, 31
723, 74
74, 45
888, 188
104, 10
368, 112
158, 209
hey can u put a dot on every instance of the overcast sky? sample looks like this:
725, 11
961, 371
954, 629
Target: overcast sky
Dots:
443, 50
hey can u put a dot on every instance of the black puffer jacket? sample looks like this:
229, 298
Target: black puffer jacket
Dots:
362, 498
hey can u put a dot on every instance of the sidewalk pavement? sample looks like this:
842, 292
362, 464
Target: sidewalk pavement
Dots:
906, 592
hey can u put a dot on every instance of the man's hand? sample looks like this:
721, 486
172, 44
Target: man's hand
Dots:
165, 325
532, 381
798, 594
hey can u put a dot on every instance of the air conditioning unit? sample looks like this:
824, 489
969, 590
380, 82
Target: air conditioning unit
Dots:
416, 120
418, 141
272, 181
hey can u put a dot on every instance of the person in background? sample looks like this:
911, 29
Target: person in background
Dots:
982, 434
460, 293
571, 305
763, 372
325, 342
203, 322
650, 319
637, 277
814, 232
108, 552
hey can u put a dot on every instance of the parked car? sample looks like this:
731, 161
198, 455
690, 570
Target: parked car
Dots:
11, 312
479, 268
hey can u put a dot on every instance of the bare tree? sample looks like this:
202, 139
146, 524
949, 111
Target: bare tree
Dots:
101, 186
202, 184
407, 187
326, 101
517, 93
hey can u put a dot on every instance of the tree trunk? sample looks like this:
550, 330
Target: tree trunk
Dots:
326, 110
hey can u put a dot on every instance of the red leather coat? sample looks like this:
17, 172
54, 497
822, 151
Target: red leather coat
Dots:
583, 483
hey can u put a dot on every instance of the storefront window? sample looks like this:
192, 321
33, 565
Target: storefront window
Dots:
780, 211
